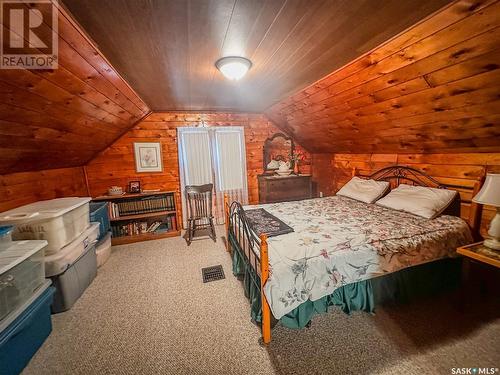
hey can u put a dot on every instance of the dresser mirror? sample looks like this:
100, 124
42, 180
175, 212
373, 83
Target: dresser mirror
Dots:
277, 148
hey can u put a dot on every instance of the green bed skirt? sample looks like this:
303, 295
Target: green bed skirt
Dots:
398, 287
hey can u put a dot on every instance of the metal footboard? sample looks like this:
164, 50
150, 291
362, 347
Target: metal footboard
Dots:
253, 251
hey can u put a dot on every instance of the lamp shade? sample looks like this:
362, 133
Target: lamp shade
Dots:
490, 192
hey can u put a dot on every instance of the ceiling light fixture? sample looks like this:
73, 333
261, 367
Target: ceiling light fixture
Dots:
233, 67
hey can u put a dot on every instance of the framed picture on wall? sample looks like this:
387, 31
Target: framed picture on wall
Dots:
148, 157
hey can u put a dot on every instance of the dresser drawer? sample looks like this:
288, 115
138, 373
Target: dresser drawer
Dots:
287, 196
291, 188
288, 183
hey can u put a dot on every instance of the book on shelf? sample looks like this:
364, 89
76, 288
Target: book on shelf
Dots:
142, 205
153, 226
168, 224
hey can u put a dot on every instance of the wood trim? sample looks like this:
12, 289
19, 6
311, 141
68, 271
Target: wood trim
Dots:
129, 195
140, 216
475, 211
178, 214
226, 220
84, 170
115, 241
264, 275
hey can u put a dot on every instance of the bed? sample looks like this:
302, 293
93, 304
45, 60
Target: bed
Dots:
343, 252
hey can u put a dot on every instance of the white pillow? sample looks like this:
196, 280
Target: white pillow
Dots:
367, 191
418, 200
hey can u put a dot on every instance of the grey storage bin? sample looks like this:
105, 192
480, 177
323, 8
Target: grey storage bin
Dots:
71, 284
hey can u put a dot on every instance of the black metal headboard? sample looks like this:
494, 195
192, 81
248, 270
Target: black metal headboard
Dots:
398, 174
401, 174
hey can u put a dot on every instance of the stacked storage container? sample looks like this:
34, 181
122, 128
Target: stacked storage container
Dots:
70, 259
99, 213
25, 299
73, 268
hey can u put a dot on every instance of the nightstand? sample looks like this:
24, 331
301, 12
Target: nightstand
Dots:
475, 252
480, 253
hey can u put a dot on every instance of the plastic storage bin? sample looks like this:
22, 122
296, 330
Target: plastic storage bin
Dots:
71, 284
21, 273
58, 221
25, 330
56, 264
103, 250
78, 273
99, 214
5, 236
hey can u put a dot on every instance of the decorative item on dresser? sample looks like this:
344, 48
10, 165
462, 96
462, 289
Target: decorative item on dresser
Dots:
279, 157
143, 217
277, 148
274, 188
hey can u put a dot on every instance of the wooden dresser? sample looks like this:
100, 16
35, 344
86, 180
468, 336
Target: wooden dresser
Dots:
279, 189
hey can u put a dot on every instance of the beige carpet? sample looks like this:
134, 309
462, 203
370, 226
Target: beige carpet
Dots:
148, 312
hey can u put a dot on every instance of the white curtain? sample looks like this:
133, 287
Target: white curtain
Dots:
214, 155
195, 165
230, 167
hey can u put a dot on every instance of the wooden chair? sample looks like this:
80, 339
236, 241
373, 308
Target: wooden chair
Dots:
199, 202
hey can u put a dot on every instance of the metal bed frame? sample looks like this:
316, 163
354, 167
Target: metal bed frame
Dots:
242, 239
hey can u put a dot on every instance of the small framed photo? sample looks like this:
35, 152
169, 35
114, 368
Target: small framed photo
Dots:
134, 187
148, 157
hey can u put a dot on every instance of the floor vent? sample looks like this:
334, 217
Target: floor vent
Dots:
212, 273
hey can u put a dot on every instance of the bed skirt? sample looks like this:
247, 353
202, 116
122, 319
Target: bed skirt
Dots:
398, 287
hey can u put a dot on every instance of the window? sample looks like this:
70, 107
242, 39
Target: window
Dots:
214, 155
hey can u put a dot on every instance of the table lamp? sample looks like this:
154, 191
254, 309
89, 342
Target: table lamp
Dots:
490, 195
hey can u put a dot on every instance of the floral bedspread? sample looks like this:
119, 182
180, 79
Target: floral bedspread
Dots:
338, 241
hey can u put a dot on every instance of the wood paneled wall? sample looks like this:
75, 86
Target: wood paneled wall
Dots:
322, 173
453, 169
115, 166
63, 117
17, 189
434, 88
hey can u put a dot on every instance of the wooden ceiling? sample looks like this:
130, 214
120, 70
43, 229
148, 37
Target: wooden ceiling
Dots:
63, 117
166, 49
433, 89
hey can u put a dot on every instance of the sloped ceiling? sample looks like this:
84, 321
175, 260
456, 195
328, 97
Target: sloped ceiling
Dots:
166, 49
63, 117
433, 89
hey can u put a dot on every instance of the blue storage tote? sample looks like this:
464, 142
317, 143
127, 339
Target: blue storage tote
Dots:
99, 214
23, 332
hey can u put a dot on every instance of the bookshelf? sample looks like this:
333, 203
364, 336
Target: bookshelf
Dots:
143, 217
